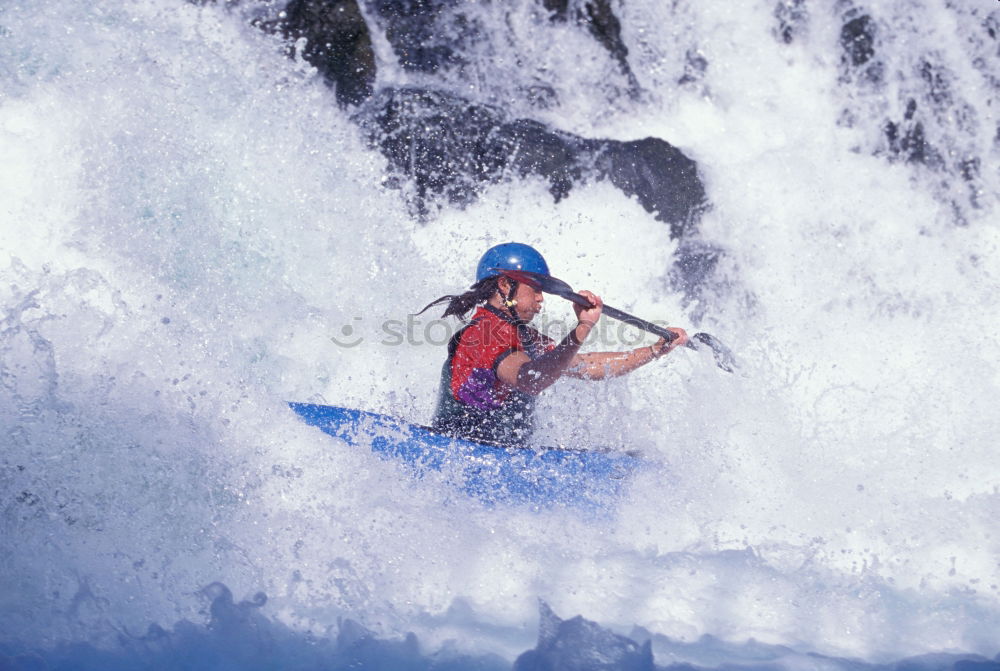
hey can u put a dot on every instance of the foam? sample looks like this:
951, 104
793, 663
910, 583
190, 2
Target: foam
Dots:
188, 219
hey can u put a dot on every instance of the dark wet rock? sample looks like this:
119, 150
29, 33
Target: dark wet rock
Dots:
859, 40
992, 26
905, 136
695, 262
660, 176
429, 35
937, 85
906, 139
970, 168
792, 19
448, 147
442, 148
337, 44
603, 25
908, 143
531, 148
857, 37
559, 8
695, 66
424, 34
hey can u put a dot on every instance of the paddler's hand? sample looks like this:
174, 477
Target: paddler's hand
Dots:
587, 317
661, 347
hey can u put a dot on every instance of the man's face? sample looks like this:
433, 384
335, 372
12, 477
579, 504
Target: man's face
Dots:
529, 302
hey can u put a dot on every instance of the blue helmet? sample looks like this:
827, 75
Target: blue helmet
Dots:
510, 256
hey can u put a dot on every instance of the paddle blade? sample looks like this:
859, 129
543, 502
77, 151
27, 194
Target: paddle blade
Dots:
724, 358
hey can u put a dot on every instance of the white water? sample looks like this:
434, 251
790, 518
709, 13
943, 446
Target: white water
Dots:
186, 218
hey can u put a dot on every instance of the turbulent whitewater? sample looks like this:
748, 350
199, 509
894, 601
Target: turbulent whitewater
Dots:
194, 231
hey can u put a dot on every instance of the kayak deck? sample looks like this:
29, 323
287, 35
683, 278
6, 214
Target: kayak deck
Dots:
491, 473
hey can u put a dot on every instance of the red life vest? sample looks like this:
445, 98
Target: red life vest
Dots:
473, 402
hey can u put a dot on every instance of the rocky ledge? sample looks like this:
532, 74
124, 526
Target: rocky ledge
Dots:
442, 148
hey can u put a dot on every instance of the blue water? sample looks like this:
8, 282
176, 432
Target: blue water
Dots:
190, 228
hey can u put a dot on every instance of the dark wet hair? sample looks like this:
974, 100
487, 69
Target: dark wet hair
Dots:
460, 304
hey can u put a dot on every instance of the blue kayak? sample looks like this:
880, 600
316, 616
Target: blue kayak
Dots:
491, 473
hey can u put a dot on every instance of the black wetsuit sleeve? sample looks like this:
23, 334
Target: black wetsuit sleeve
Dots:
539, 373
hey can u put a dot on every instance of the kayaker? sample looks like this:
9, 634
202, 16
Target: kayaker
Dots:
497, 364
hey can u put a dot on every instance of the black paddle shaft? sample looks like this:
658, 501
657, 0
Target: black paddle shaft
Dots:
621, 316
724, 358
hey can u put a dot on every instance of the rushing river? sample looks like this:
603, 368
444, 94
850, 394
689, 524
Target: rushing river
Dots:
193, 232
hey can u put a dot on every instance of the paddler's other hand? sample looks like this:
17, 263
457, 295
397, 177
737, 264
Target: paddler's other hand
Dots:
588, 316
662, 347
